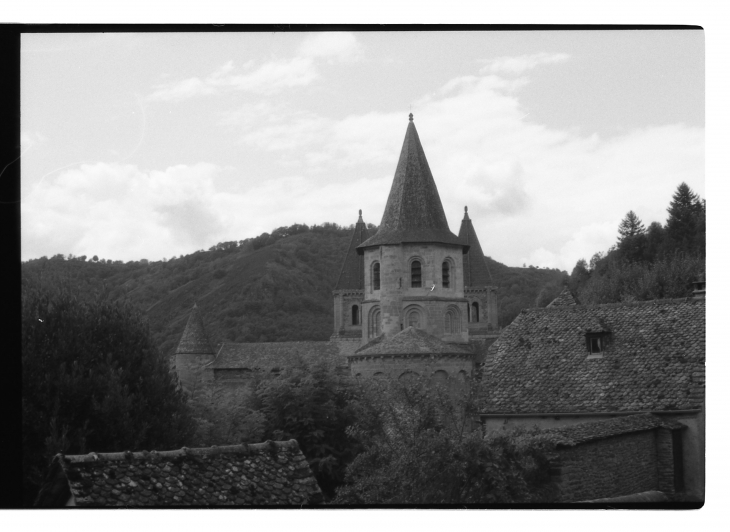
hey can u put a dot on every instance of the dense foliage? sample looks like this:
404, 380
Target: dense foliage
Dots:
421, 447
92, 379
311, 401
275, 287
655, 263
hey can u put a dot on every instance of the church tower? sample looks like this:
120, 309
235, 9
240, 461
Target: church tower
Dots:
193, 353
348, 292
413, 265
478, 288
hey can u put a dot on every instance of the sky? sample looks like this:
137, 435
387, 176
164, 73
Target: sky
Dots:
156, 145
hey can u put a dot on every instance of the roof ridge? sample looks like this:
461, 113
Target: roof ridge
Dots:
288, 445
647, 302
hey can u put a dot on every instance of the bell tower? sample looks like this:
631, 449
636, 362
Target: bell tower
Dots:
413, 265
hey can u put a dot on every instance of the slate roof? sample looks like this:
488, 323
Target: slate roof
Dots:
654, 360
413, 212
476, 272
270, 355
194, 339
352, 275
564, 299
599, 430
410, 341
263, 474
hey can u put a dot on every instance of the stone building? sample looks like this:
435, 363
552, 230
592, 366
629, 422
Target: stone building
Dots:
413, 273
570, 364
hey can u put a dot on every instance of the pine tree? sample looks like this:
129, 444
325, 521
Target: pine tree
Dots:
686, 219
630, 226
632, 240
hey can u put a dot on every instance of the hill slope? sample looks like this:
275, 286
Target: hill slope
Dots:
277, 290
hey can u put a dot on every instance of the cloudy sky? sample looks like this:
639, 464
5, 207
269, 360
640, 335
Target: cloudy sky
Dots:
155, 145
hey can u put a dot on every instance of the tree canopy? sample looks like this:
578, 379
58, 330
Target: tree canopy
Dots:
654, 263
92, 379
422, 447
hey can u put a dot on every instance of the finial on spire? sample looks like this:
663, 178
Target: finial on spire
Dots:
410, 117
360, 212
466, 209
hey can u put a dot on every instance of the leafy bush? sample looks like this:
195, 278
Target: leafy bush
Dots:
92, 379
422, 447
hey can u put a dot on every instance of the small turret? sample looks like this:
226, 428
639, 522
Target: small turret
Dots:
193, 353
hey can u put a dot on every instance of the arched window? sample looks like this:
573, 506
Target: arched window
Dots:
355, 315
413, 318
408, 376
445, 274
452, 322
475, 312
374, 323
376, 276
416, 274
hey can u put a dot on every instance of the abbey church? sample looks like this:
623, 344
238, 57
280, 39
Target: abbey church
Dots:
411, 299
623, 383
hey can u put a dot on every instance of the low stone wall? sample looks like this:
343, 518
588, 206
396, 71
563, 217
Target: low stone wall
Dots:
615, 466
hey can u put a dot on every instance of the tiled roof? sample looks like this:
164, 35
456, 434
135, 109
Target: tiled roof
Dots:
654, 360
410, 341
194, 339
352, 275
564, 299
598, 430
476, 272
413, 212
263, 474
270, 355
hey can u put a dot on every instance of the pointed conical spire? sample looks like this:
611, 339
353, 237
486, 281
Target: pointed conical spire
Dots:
352, 275
476, 272
564, 299
413, 212
194, 340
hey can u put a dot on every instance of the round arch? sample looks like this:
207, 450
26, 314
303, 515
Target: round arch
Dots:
414, 316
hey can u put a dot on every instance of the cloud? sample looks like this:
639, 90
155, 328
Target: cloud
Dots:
333, 45
270, 77
267, 78
522, 63
119, 211
536, 194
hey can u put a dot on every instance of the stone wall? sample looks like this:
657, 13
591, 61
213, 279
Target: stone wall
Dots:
486, 298
457, 367
615, 466
396, 295
189, 368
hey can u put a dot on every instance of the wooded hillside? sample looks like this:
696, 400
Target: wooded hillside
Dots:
275, 287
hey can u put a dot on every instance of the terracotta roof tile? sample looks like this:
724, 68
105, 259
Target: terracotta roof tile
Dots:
414, 212
263, 474
476, 272
564, 299
410, 341
270, 355
654, 359
598, 430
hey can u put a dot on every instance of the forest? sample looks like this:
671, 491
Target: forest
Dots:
272, 288
658, 262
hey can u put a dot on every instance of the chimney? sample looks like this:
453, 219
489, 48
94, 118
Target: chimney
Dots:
699, 287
